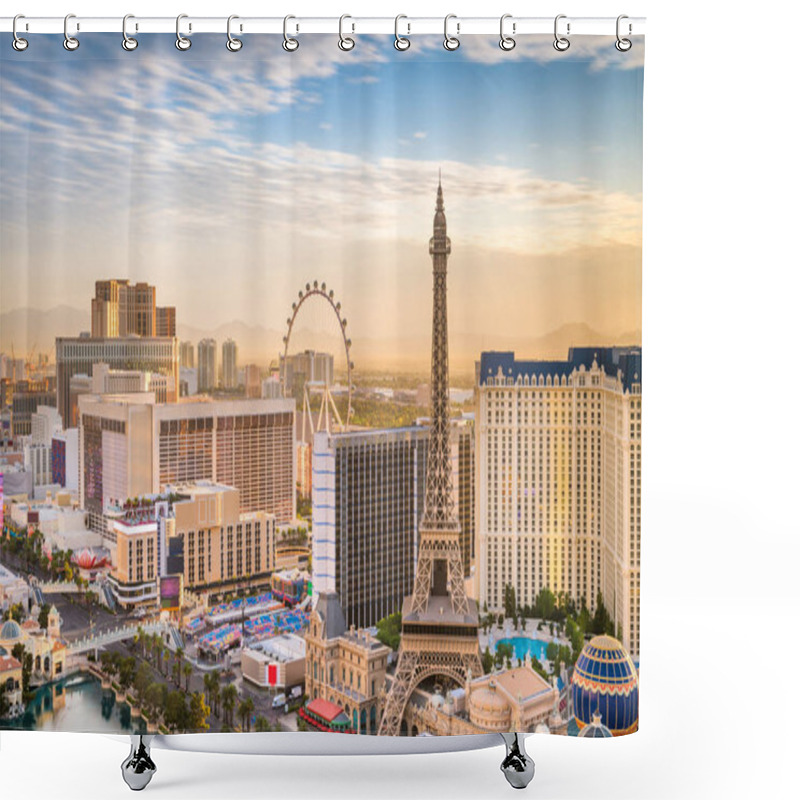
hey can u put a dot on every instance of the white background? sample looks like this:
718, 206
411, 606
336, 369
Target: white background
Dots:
719, 703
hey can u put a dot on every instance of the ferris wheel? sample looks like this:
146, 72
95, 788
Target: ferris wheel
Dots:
328, 411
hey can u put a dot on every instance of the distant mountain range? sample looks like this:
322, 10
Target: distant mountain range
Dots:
24, 330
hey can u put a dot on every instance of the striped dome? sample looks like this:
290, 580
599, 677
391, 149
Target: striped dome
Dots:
605, 682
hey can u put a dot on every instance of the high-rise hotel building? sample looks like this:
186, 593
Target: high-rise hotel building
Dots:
122, 308
367, 493
558, 465
130, 446
366, 499
196, 531
206, 365
78, 355
230, 364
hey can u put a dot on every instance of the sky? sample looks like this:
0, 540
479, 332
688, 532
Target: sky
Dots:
229, 180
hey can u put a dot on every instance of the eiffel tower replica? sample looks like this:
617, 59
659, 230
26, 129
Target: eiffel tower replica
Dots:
439, 633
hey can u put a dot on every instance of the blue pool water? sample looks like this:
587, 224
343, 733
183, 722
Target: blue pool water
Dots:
523, 645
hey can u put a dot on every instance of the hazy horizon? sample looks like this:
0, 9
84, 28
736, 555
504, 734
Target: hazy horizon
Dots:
231, 181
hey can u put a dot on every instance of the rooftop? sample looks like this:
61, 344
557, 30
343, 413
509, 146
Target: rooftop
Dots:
521, 682
440, 612
612, 360
9, 663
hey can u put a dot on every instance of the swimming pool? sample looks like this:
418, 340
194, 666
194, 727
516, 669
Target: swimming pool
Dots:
523, 645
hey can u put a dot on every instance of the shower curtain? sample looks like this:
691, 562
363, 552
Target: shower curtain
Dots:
321, 385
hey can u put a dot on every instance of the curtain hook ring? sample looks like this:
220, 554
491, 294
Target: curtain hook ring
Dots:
346, 42
129, 43
181, 41
233, 44
561, 43
623, 45
451, 42
507, 42
18, 43
401, 42
70, 42
289, 44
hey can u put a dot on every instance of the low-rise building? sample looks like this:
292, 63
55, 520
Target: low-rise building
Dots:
194, 530
276, 663
345, 666
11, 685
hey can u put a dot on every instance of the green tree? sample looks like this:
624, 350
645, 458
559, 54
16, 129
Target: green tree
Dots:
187, 674
155, 699
602, 622
198, 712
5, 705
176, 713
262, 725
143, 679
212, 688
545, 603
509, 601
229, 697
45, 610
389, 630
487, 660
26, 659
158, 649
127, 671
503, 654
244, 711
551, 651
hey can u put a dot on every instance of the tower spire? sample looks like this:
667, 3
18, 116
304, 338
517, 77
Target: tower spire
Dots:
439, 632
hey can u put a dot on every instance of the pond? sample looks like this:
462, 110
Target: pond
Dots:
77, 704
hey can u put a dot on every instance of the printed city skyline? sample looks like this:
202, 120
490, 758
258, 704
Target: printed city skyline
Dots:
229, 194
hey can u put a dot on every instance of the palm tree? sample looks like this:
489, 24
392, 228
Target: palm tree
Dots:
187, 673
176, 672
229, 697
244, 711
158, 649
211, 682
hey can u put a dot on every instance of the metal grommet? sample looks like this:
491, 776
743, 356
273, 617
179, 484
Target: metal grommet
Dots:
561, 43
401, 42
451, 42
70, 42
129, 43
623, 45
233, 44
18, 43
346, 43
181, 41
289, 44
507, 42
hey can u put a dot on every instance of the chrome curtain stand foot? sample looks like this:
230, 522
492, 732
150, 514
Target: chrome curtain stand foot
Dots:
138, 768
517, 766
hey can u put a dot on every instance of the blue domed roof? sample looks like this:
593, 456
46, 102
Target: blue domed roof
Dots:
605, 682
10, 630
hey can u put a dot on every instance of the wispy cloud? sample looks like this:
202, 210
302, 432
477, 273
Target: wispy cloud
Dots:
193, 172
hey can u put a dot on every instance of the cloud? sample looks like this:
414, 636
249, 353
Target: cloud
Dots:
172, 170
